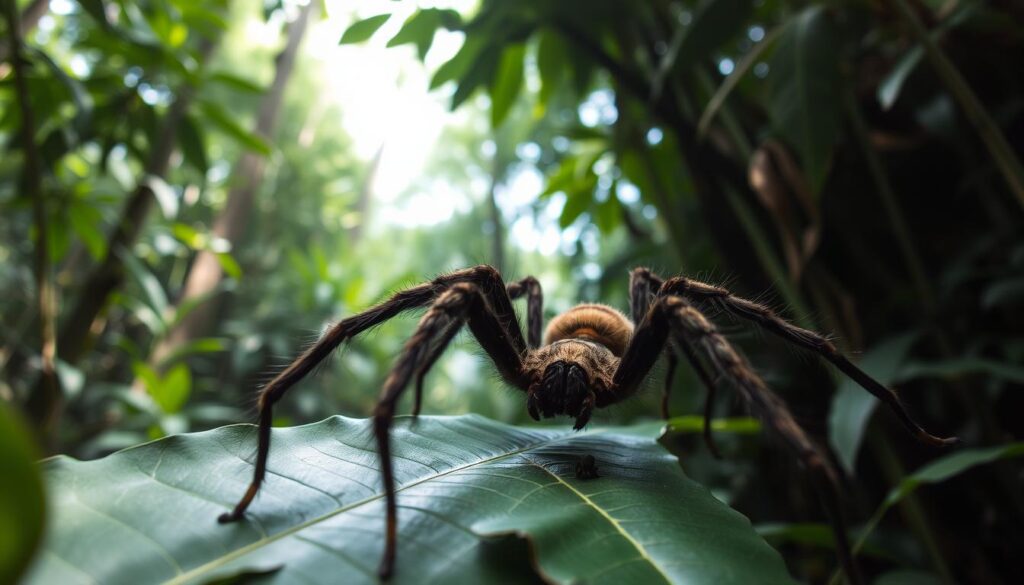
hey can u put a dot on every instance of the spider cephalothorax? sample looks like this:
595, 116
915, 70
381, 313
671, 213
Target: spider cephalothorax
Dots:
593, 356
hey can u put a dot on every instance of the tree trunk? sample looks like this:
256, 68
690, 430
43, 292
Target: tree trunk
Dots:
365, 199
45, 404
206, 272
29, 19
108, 276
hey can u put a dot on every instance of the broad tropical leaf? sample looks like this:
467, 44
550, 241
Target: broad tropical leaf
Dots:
22, 506
852, 406
147, 514
805, 90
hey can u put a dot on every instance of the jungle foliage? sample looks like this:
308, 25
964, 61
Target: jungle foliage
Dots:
856, 164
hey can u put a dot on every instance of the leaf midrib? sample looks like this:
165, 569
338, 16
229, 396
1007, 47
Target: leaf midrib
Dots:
242, 551
611, 520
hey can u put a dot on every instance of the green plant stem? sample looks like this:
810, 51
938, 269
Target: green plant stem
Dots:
993, 138
742, 68
911, 257
47, 403
758, 239
910, 505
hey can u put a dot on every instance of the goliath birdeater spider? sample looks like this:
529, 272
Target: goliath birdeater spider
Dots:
593, 356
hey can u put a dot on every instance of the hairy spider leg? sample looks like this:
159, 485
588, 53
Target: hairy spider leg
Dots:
460, 304
763, 316
534, 319
428, 364
534, 306
687, 324
487, 280
643, 289
709, 400
666, 391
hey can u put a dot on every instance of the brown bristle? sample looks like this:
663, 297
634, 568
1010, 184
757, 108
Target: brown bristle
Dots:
599, 323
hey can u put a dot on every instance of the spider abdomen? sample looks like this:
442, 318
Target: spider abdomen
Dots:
598, 323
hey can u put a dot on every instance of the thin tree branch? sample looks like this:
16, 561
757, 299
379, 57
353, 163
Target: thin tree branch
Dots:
46, 405
29, 19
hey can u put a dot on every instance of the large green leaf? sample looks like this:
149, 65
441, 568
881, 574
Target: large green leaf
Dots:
22, 506
216, 114
937, 471
552, 63
852, 406
805, 90
148, 514
506, 84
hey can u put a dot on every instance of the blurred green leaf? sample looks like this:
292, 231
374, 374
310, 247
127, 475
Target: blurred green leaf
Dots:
810, 534
194, 347
1006, 291
215, 113
229, 265
456, 67
552, 63
165, 196
155, 296
148, 376
87, 221
937, 471
22, 499
714, 22
852, 406
608, 213
169, 391
950, 466
193, 145
804, 90
174, 389
420, 28
691, 423
890, 87
195, 15
479, 73
742, 68
362, 30
960, 367
79, 95
236, 82
189, 236
97, 10
576, 203
507, 83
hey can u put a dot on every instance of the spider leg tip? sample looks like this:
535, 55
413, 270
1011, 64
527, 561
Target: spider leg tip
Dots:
226, 517
938, 441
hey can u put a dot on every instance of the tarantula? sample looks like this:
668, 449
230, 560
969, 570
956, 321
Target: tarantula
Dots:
593, 356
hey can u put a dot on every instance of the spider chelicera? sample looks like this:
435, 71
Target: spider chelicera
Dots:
593, 356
